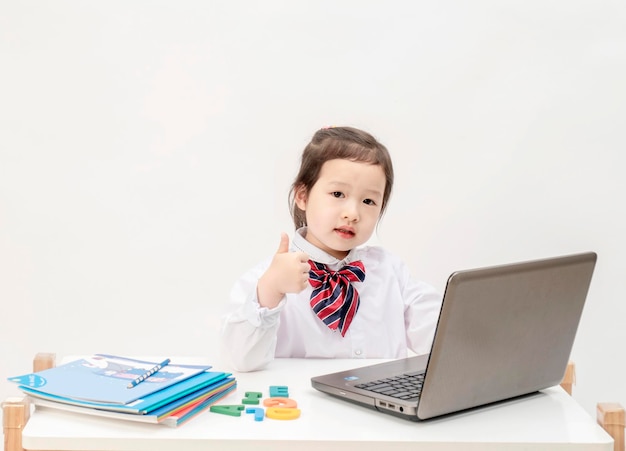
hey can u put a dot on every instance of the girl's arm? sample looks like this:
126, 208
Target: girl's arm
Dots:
248, 336
422, 305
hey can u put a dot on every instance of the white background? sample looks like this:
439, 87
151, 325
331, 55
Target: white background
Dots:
147, 148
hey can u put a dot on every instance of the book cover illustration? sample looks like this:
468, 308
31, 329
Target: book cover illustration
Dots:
103, 378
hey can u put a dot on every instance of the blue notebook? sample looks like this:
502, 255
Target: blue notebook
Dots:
146, 404
173, 414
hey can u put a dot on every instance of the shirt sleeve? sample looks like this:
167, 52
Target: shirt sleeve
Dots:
422, 307
249, 331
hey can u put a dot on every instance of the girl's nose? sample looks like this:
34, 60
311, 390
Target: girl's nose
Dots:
351, 213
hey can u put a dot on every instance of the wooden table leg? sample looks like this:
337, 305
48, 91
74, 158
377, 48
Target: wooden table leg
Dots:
16, 411
610, 416
570, 377
43, 361
15, 414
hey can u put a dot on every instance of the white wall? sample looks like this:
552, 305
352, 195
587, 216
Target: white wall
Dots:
147, 147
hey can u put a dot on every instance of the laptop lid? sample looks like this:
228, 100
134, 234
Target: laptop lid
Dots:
504, 331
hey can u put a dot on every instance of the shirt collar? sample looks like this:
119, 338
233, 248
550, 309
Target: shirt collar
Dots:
318, 255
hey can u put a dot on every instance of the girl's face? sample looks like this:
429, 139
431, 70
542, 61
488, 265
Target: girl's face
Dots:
343, 206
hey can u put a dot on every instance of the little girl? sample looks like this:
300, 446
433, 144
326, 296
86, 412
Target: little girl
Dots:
326, 295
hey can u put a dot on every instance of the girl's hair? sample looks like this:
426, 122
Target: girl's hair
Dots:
332, 143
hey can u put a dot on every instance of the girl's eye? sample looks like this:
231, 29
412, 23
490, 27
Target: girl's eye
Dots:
369, 202
337, 194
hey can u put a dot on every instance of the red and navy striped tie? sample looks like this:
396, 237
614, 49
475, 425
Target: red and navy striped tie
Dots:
334, 299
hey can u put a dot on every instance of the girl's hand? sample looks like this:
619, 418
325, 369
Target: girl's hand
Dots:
288, 273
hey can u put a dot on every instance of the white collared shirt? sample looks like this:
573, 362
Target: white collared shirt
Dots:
396, 313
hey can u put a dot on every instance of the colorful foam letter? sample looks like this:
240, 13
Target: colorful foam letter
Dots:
279, 391
257, 411
232, 410
252, 397
281, 413
280, 402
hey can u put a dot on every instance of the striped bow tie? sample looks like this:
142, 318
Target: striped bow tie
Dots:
334, 299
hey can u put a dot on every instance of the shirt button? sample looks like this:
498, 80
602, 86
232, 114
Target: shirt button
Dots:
357, 352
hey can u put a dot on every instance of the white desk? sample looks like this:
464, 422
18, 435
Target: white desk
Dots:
551, 420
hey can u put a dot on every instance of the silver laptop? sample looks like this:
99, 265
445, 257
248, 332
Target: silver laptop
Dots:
503, 332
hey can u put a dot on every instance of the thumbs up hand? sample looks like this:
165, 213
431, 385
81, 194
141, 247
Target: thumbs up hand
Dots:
283, 247
288, 273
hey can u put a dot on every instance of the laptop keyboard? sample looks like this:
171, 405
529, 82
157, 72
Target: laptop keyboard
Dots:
404, 386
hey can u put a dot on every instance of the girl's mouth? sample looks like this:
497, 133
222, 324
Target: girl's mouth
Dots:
346, 233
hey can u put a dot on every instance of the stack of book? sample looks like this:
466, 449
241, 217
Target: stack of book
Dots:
129, 389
